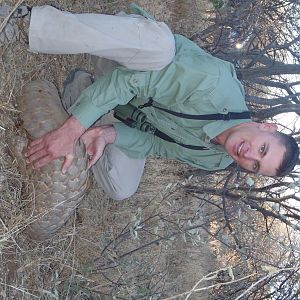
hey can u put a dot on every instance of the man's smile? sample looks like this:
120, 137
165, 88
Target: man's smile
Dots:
240, 148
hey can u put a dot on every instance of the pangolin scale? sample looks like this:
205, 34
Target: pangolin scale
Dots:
55, 195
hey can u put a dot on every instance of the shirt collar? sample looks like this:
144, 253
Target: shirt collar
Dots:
212, 129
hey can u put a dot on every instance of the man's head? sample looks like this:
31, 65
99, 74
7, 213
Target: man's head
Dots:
260, 148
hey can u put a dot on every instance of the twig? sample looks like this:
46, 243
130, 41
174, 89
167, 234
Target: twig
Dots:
20, 290
295, 269
11, 236
209, 276
3, 24
226, 218
73, 260
208, 287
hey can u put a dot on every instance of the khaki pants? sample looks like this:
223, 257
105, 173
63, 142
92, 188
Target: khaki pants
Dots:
117, 174
132, 40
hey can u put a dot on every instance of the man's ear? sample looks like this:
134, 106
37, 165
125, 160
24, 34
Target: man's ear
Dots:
271, 127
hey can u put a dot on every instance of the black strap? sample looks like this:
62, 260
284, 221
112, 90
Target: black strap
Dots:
224, 117
167, 138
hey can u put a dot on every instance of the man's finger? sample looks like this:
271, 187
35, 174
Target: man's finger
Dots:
34, 149
94, 158
67, 163
92, 161
35, 142
36, 156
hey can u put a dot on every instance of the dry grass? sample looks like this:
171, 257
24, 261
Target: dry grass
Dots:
91, 257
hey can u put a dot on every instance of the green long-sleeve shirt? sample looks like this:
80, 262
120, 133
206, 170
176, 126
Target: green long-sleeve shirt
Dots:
194, 83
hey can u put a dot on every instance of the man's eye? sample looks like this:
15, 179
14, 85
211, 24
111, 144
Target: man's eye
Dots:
255, 167
262, 149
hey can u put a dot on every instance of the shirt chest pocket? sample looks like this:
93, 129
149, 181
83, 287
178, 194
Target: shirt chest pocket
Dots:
198, 104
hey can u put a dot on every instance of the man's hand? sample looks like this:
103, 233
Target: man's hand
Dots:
54, 144
95, 140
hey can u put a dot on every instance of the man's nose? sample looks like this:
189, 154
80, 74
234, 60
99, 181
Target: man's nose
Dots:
250, 154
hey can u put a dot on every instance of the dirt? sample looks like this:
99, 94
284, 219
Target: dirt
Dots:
108, 249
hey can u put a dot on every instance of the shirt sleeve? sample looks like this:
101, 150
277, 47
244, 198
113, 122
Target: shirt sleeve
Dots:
103, 95
135, 143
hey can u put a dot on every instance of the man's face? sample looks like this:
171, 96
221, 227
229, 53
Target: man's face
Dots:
255, 148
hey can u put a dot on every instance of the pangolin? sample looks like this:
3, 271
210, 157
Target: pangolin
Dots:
55, 195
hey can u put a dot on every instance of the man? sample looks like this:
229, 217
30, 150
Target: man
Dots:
174, 90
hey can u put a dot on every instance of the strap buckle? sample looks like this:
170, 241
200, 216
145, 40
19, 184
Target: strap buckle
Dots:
227, 117
147, 104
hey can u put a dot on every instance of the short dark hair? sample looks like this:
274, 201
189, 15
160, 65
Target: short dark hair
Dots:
291, 155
